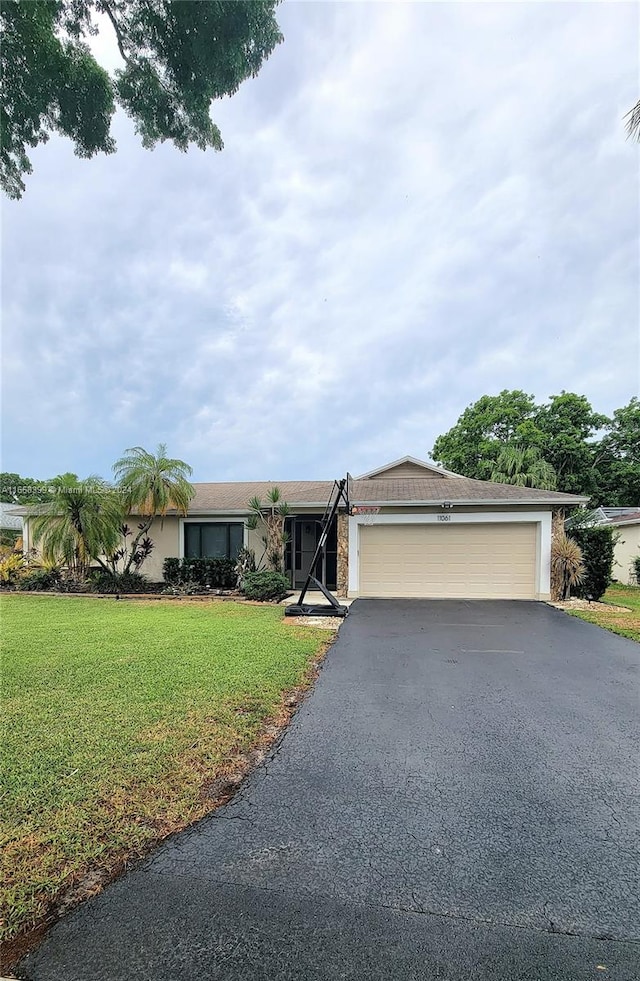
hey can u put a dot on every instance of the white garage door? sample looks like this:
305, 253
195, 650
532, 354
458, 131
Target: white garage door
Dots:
465, 561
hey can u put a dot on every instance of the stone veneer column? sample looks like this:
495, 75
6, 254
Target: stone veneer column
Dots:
343, 554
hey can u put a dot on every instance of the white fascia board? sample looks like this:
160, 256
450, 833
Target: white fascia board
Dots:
541, 518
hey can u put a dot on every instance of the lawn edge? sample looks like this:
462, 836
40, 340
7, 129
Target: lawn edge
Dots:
619, 632
92, 880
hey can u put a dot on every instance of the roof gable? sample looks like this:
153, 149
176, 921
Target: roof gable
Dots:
407, 466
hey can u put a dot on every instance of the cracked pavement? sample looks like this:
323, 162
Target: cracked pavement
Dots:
442, 806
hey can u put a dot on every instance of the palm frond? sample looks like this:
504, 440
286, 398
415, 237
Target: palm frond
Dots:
633, 122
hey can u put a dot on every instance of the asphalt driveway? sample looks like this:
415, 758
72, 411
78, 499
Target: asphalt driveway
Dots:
458, 799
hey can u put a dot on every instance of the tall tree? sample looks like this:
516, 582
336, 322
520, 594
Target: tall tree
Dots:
568, 426
16, 489
178, 56
80, 524
565, 432
523, 466
472, 446
150, 485
618, 459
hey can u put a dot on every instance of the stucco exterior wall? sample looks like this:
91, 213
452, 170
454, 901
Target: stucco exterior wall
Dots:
625, 552
165, 536
254, 541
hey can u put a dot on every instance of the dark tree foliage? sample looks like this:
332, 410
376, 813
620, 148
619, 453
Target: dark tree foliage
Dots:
473, 445
618, 459
15, 489
567, 427
597, 545
590, 454
178, 56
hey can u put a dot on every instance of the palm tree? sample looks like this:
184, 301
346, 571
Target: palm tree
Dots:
150, 486
523, 466
81, 523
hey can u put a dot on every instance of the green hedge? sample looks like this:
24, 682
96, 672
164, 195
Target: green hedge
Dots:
120, 582
212, 573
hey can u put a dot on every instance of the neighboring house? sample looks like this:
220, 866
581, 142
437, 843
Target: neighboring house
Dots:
10, 524
435, 533
602, 515
626, 521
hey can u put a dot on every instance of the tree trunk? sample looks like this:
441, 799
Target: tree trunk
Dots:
134, 544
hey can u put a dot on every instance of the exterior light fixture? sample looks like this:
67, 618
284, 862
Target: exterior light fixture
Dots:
446, 504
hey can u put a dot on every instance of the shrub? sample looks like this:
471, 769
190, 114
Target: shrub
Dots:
636, 568
221, 573
39, 579
265, 585
72, 582
10, 568
196, 569
189, 588
597, 546
171, 571
120, 582
566, 564
205, 573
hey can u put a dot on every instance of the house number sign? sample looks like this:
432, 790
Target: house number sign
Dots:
444, 517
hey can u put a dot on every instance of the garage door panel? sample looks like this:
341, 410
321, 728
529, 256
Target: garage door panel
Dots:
473, 561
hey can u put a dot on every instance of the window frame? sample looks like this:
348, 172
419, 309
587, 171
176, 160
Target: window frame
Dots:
211, 521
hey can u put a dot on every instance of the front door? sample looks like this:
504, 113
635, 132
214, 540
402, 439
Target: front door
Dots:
304, 535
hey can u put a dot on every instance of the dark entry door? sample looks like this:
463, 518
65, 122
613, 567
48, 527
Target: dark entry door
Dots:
304, 532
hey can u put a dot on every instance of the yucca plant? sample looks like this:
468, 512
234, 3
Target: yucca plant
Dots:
566, 565
269, 517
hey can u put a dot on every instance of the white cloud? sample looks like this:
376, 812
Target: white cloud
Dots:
417, 204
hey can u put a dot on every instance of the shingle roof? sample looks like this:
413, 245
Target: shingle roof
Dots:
436, 489
419, 490
625, 519
10, 517
234, 496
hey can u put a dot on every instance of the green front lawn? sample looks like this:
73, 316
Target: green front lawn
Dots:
619, 621
120, 721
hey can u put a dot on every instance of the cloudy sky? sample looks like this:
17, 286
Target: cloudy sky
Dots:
417, 204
